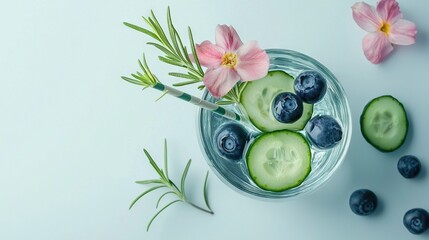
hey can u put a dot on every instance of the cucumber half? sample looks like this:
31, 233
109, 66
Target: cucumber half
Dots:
384, 123
257, 98
279, 160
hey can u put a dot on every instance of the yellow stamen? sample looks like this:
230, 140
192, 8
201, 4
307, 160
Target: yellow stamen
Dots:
230, 60
385, 28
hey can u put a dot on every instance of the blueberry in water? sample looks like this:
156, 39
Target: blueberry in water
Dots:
416, 220
409, 166
310, 86
363, 202
230, 140
287, 107
324, 131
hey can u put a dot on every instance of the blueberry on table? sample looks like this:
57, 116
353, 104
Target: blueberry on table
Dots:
310, 86
409, 166
363, 202
230, 140
287, 107
416, 220
324, 131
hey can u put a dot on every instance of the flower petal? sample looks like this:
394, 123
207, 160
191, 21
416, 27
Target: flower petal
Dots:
220, 80
366, 17
253, 62
209, 54
403, 32
376, 47
227, 38
389, 11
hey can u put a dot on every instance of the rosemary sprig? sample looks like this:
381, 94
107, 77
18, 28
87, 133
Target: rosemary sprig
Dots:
176, 53
165, 182
145, 79
148, 79
234, 95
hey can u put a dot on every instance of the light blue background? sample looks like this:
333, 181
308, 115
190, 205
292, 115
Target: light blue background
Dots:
72, 132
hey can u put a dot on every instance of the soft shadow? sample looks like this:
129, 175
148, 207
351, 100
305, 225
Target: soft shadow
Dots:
422, 174
421, 38
380, 207
410, 134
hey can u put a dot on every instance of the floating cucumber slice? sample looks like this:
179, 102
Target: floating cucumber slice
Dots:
384, 123
279, 160
257, 98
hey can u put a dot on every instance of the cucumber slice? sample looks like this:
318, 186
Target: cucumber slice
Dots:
384, 123
279, 160
257, 98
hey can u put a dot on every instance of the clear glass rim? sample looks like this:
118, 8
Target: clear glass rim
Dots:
297, 191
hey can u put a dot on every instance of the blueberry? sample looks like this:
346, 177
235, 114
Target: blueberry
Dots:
310, 86
409, 166
416, 220
363, 202
230, 140
324, 131
287, 107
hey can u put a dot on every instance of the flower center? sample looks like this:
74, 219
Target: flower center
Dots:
385, 28
230, 60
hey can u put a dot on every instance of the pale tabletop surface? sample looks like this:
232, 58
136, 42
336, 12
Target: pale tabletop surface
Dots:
72, 132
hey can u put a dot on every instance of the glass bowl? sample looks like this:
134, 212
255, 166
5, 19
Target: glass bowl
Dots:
323, 163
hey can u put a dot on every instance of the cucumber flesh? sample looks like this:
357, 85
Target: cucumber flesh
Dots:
279, 160
257, 98
384, 123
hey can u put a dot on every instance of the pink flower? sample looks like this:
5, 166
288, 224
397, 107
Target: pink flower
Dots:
229, 61
385, 26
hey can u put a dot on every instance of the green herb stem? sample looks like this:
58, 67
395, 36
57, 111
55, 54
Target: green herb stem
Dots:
165, 182
200, 208
176, 53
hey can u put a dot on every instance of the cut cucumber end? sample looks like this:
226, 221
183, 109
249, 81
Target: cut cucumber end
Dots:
257, 98
384, 123
279, 160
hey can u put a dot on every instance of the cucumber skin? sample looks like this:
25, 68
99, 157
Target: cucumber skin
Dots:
368, 140
290, 186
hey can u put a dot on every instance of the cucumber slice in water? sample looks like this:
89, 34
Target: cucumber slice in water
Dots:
384, 123
257, 98
279, 160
